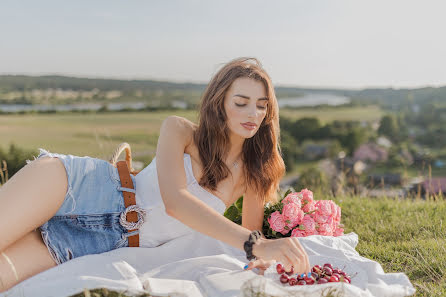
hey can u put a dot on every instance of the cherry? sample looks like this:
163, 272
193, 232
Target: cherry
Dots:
280, 269
334, 279
348, 279
315, 275
284, 278
336, 274
322, 281
293, 281
301, 282
328, 265
328, 270
309, 280
316, 268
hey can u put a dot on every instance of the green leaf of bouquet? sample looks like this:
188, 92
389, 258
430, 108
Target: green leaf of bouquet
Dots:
288, 221
232, 213
239, 204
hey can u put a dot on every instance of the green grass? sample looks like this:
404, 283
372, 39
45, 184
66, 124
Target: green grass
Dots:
95, 135
326, 115
403, 236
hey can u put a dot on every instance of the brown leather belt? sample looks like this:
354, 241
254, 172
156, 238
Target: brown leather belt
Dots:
129, 199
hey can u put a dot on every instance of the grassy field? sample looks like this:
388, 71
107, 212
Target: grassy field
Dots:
98, 135
326, 115
402, 235
95, 135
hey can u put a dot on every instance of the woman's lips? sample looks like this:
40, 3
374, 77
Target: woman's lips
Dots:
249, 127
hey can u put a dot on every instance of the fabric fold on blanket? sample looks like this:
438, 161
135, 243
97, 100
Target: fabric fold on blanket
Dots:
196, 265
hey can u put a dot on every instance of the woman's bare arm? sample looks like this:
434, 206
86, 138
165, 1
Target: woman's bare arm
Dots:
175, 135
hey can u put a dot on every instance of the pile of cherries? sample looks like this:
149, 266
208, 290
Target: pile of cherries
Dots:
318, 275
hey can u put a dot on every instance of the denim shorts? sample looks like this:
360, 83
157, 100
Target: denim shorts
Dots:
88, 221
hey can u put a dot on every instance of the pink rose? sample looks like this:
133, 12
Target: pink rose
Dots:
338, 232
298, 233
292, 197
292, 214
308, 206
320, 219
325, 229
307, 195
325, 208
277, 223
338, 214
309, 225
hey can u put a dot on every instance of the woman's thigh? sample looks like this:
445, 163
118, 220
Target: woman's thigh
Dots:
30, 198
28, 255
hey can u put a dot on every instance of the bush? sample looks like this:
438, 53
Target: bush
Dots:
312, 178
15, 158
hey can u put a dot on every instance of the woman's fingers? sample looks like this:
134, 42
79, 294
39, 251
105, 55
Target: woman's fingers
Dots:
296, 256
302, 255
288, 251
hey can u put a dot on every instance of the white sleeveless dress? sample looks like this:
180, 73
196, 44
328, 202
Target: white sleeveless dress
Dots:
158, 227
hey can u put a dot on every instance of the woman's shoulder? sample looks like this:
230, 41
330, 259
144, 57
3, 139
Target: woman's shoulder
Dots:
182, 126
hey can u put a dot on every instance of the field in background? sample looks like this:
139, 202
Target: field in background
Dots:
98, 134
326, 115
95, 135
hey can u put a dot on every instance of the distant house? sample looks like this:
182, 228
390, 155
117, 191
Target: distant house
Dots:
315, 151
350, 166
383, 141
387, 179
370, 152
434, 185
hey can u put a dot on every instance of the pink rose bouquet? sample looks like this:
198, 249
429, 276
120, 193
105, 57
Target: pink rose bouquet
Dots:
299, 215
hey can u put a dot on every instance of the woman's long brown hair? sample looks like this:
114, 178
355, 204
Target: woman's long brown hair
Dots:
264, 166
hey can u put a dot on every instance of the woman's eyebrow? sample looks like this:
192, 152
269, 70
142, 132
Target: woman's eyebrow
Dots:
247, 97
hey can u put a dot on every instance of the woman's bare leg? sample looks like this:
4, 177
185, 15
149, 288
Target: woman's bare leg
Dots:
29, 256
30, 198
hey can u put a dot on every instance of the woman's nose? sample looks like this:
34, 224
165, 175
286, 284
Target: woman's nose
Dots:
252, 112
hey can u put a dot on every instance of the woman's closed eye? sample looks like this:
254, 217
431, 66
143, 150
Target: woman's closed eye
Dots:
241, 105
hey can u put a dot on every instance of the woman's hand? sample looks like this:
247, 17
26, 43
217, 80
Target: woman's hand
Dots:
261, 264
287, 251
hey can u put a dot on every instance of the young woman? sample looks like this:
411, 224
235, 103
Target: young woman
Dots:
59, 207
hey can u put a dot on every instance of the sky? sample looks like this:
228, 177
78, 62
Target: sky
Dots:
304, 43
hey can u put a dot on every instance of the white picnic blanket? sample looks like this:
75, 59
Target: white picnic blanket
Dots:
196, 265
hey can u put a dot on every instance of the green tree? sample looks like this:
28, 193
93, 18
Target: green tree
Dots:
305, 128
388, 126
354, 138
15, 158
313, 179
289, 150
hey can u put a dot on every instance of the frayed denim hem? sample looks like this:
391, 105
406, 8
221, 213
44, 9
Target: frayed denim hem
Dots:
45, 153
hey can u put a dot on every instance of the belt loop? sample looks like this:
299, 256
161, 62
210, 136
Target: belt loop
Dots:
122, 189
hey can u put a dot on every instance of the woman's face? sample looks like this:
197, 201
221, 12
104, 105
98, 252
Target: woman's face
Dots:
245, 105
